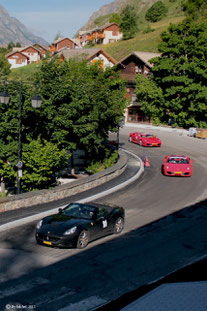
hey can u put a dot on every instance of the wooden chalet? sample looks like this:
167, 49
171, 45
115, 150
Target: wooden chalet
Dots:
43, 49
17, 59
61, 43
32, 52
133, 64
93, 55
108, 33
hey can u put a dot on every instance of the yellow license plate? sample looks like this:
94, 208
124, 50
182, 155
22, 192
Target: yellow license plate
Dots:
155, 144
46, 242
178, 172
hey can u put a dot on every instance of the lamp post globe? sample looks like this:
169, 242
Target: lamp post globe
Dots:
4, 97
36, 101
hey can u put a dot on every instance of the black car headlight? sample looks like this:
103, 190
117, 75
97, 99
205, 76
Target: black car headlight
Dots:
39, 224
70, 231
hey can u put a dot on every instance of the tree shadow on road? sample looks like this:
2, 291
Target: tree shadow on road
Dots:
119, 265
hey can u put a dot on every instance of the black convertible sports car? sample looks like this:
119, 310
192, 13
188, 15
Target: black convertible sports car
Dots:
78, 224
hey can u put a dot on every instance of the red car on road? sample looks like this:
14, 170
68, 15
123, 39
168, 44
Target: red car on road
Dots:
177, 165
145, 139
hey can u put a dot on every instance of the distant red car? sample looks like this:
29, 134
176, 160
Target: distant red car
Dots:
145, 139
177, 165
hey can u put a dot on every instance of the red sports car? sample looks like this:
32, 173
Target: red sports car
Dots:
145, 139
177, 165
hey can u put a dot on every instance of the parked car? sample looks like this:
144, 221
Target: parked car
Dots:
78, 224
177, 165
145, 139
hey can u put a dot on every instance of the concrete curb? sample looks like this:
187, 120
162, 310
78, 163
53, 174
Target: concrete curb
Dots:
35, 217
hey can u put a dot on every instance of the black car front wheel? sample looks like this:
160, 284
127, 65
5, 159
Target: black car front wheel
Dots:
119, 225
83, 239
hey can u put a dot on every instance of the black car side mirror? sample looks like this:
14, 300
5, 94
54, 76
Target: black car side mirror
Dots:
60, 210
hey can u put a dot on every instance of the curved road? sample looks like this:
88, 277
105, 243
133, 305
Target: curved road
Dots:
157, 240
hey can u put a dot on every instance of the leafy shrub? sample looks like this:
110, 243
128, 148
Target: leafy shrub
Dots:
157, 11
99, 166
148, 29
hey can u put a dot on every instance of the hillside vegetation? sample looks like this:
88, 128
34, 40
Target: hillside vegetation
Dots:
25, 73
147, 42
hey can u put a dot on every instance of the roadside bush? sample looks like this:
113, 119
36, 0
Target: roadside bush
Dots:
99, 166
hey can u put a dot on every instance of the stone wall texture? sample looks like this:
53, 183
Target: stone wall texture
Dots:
60, 192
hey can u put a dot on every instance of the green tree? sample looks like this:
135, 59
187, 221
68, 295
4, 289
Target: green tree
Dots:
7, 174
115, 18
195, 8
151, 98
83, 103
9, 119
157, 11
42, 159
18, 44
128, 22
181, 72
10, 45
4, 66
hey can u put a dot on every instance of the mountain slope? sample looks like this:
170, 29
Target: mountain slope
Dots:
141, 7
148, 35
12, 30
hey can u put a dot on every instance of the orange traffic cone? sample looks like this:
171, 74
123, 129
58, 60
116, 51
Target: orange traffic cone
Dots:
147, 164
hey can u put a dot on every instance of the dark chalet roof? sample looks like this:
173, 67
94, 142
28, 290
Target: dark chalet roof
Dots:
143, 56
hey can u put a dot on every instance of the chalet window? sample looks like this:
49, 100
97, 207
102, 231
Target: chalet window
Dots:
139, 68
114, 33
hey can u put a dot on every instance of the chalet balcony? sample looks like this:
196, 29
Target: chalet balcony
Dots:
95, 36
52, 49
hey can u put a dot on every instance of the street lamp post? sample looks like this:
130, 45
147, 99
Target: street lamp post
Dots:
36, 103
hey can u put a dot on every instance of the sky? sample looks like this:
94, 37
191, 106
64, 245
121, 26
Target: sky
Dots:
47, 18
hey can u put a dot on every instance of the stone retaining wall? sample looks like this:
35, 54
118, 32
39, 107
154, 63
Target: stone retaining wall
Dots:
77, 186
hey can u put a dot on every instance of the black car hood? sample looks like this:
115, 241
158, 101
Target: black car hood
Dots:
58, 224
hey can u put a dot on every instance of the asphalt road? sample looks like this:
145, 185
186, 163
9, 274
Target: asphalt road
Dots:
165, 230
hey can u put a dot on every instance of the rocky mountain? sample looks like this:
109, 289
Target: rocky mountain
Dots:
12, 30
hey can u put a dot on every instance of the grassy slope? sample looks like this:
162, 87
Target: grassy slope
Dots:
147, 42
142, 42
25, 73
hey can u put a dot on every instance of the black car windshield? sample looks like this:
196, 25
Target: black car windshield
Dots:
178, 161
79, 211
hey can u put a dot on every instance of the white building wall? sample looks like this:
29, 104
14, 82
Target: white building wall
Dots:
109, 36
34, 57
106, 62
15, 65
